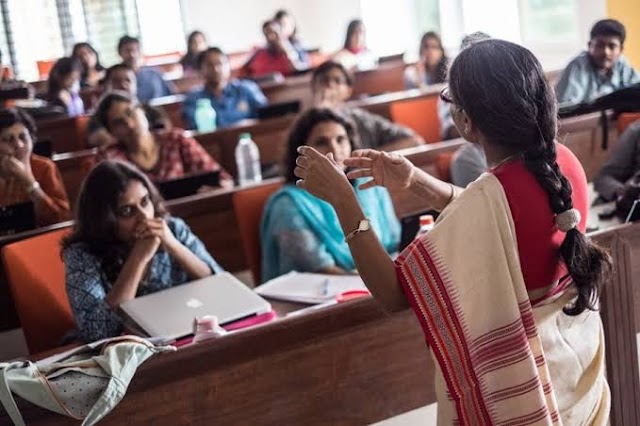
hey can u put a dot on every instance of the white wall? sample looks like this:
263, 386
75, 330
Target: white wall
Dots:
237, 25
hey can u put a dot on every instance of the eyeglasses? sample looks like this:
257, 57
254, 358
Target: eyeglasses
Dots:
446, 96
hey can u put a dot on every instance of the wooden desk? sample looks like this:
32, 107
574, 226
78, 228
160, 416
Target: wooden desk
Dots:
347, 364
66, 134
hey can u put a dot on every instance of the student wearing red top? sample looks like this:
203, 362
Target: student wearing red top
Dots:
28, 177
278, 56
161, 156
506, 285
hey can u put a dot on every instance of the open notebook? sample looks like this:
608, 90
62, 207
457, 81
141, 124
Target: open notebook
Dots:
309, 288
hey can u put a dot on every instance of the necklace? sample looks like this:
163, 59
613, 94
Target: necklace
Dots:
505, 160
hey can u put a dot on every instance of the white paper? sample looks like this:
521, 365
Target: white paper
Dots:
309, 288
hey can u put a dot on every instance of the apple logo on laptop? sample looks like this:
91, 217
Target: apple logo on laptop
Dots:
194, 303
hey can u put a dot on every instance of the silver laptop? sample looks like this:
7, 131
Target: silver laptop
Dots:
169, 313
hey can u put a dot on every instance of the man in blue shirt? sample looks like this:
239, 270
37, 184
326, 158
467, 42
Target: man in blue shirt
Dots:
600, 70
233, 100
150, 83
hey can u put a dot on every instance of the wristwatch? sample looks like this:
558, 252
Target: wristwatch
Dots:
363, 226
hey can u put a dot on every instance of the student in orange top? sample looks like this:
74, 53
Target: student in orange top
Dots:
25, 176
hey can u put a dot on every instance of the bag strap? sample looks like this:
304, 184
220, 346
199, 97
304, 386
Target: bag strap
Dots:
6, 397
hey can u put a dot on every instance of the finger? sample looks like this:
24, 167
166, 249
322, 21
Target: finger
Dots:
369, 153
300, 183
360, 173
307, 151
368, 184
302, 161
330, 157
300, 172
362, 162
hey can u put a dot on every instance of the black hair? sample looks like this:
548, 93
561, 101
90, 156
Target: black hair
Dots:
203, 55
62, 67
443, 64
102, 111
114, 68
75, 53
302, 128
351, 28
609, 28
127, 39
191, 37
327, 66
96, 214
278, 17
11, 116
513, 106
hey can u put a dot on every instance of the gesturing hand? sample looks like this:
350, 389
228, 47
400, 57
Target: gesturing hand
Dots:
156, 228
320, 175
392, 171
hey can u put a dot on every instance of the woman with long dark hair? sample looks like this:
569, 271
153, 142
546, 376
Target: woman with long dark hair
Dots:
301, 232
506, 285
92, 70
63, 86
124, 245
431, 68
355, 55
196, 44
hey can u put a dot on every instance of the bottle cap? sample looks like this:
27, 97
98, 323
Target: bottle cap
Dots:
203, 101
426, 219
245, 135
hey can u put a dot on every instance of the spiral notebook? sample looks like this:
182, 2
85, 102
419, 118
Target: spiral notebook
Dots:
306, 287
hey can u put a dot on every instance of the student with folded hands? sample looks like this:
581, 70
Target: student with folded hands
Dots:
124, 245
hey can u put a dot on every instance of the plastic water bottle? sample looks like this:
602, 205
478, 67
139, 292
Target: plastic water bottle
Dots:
248, 160
205, 116
426, 224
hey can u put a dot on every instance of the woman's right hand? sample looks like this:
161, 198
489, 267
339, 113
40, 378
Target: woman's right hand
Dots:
390, 170
144, 248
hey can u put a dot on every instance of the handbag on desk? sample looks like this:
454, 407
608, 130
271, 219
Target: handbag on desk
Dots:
85, 383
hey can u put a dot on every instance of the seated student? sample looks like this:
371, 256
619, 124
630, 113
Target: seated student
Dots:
431, 68
160, 155
92, 70
124, 245
331, 85
289, 30
622, 164
63, 86
150, 82
278, 56
28, 177
300, 232
120, 77
600, 70
196, 44
233, 100
355, 55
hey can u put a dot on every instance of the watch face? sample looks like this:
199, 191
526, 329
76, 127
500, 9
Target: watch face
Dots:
364, 225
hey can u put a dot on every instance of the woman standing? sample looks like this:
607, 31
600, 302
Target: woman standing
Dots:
506, 284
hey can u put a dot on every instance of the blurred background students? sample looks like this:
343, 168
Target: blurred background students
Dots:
63, 86
431, 68
92, 70
355, 55
196, 44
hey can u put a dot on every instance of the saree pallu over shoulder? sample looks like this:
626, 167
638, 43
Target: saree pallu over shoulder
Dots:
498, 358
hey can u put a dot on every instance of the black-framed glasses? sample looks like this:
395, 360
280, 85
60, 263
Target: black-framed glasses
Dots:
446, 96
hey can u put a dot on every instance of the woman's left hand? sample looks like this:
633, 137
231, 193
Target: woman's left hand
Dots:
157, 227
321, 175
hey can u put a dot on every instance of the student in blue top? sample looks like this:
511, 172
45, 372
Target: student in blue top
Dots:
124, 245
150, 82
301, 232
600, 70
233, 100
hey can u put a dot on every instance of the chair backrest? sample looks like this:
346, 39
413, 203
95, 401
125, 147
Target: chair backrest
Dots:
44, 68
421, 115
625, 119
35, 273
248, 206
443, 164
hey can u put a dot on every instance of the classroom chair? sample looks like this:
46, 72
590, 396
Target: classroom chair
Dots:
44, 68
625, 119
35, 274
421, 115
248, 206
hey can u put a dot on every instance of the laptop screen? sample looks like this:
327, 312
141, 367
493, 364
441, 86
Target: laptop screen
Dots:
187, 185
17, 218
